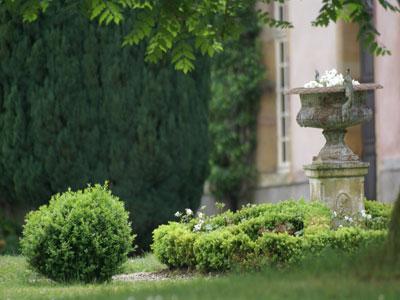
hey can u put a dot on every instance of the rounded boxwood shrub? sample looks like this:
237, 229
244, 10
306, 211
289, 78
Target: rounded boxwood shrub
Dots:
274, 234
81, 236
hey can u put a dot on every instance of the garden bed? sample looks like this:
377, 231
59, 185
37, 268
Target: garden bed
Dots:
267, 234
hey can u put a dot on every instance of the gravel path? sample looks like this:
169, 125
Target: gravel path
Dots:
153, 276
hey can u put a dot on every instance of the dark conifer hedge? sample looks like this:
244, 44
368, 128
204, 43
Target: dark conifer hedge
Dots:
76, 108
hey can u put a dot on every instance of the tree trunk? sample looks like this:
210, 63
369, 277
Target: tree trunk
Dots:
394, 233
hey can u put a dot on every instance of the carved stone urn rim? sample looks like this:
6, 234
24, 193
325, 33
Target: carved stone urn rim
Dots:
333, 89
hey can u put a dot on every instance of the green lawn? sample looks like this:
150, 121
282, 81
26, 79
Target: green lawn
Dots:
332, 279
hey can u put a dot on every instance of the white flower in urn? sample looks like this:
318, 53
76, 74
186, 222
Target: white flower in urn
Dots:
313, 84
188, 212
178, 214
328, 79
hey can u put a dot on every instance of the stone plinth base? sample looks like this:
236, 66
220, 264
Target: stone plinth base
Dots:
339, 185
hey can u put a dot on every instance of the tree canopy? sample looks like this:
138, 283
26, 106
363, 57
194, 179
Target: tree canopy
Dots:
180, 29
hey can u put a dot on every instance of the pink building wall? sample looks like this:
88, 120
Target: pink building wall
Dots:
387, 104
319, 48
311, 48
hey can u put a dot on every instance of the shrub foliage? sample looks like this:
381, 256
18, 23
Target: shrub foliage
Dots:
80, 236
276, 234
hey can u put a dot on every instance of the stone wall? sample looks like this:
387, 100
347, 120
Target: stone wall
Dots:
389, 180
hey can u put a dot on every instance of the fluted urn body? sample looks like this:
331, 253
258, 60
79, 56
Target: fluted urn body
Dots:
332, 110
336, 174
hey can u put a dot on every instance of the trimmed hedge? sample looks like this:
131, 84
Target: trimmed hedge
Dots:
219, 250
279, 248
81, 236
277, 234
175, 245
381, 214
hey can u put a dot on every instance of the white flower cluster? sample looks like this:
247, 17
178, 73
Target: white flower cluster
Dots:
188, 212
248, 205
328, 79
188, 215
348, 219
201, 224
198, 226
358, 219
365, 215
185, 217
313, 84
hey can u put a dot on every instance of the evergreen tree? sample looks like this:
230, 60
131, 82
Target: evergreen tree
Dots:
76, 108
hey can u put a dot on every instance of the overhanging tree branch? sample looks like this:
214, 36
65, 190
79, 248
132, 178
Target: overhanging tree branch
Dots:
204, 24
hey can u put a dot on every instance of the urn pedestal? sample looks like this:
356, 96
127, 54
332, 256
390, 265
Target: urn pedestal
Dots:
336, 174
339, 186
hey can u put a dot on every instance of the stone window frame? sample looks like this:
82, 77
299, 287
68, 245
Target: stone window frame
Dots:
281, 86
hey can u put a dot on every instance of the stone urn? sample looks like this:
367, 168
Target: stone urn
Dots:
336, 174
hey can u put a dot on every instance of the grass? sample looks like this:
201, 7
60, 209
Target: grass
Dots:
334, 277
146, 263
